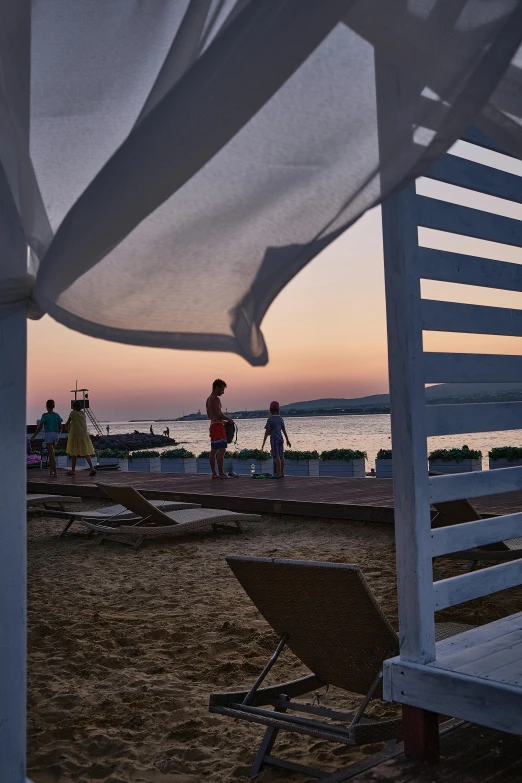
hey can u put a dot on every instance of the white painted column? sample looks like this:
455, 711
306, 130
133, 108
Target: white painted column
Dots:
13, 329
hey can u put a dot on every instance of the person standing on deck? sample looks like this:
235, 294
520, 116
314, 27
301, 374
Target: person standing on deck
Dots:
218, 435
79, 443
51, 423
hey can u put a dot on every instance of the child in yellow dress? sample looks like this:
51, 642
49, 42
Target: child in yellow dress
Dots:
79, 443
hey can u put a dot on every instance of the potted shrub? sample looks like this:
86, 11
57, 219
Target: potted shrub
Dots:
178, 461
505, 457
301, 463
383, 464
242, 461
109, 457
455, 460
144, 462
343, 462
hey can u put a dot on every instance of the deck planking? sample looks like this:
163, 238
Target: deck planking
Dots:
363, 499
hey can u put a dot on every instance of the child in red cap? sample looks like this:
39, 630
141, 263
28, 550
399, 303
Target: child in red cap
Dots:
275, 427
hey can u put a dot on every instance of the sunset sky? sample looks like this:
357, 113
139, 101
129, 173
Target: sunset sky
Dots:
325, 333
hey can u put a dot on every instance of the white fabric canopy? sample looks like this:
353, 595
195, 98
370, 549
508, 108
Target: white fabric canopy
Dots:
191, 156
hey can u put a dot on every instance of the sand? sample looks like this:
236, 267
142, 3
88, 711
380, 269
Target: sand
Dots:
126, 646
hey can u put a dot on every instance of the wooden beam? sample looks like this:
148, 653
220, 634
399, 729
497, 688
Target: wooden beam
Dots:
469, 270
477, 177
476, 584
440, 316
466, 535
471, 368
474, 484
473, 417
420, 734
455, 219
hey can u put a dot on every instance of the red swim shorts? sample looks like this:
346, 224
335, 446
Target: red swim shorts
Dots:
218, 436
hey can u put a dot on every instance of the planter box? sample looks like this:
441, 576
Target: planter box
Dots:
242, 466
61, 462
123, 464
339, 467
81, 463
384, 468
148, 465
448, 466
179, 465
494, 464
301, 467
108, 461
203, 465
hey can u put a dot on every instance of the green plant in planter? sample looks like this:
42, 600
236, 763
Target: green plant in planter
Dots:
204, 455
144, 454
60, 453
177, 454
510, 453
455, 454
384, 454
252, 454
301, 455
113, 454
345, 454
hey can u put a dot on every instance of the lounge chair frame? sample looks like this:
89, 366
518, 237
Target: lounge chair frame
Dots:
335, 726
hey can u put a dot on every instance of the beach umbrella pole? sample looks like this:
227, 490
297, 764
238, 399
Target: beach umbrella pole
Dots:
13, 347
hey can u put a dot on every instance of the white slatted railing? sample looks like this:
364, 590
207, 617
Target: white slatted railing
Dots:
471, 368
468, 270
470, 318
473, 417
467, 535
443, 216
474, 176
467, 587
474, 484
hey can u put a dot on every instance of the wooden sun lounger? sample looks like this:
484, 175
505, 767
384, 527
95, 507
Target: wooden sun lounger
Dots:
152, 521
327, 616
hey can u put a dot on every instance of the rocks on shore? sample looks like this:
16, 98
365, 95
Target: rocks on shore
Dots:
131, 441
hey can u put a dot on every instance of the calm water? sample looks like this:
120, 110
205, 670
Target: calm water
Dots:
368, 433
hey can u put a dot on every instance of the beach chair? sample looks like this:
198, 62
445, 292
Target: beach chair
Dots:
327, 616
153, 521
115, 515
34, 501
456, 512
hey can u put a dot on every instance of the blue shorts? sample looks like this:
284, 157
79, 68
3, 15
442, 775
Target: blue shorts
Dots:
277, 447
218, 444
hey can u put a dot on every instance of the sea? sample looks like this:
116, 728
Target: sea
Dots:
368, 433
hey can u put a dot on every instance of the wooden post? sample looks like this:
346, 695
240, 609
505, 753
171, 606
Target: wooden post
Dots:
13, 546
421, 734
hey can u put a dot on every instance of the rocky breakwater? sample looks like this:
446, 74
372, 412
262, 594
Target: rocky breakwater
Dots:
131, 441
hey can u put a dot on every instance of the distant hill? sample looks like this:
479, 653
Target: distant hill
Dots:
442, 391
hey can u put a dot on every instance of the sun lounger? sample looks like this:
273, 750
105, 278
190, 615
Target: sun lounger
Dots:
115, 515
49, 501
152, 521
456, 512
327, 616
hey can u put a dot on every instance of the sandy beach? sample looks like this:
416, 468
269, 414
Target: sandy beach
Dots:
126, 646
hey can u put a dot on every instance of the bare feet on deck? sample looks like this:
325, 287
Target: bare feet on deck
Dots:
224, 476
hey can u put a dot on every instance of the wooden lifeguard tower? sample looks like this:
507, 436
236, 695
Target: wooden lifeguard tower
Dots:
477, 675
86, 406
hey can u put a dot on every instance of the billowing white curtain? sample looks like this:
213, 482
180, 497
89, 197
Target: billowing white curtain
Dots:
173, 164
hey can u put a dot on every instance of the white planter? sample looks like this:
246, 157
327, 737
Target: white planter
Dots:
145, 465
494, 464
187, 465
61, 462
108, 461
81, 463
384, 468
340, 467
123, 465
243, 466
203, 465
448, 466
301, 467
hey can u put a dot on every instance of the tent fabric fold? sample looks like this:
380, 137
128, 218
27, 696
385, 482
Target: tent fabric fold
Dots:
174, 165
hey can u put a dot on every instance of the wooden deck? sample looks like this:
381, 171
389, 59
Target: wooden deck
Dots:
478, 668
470, 754
364, 499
